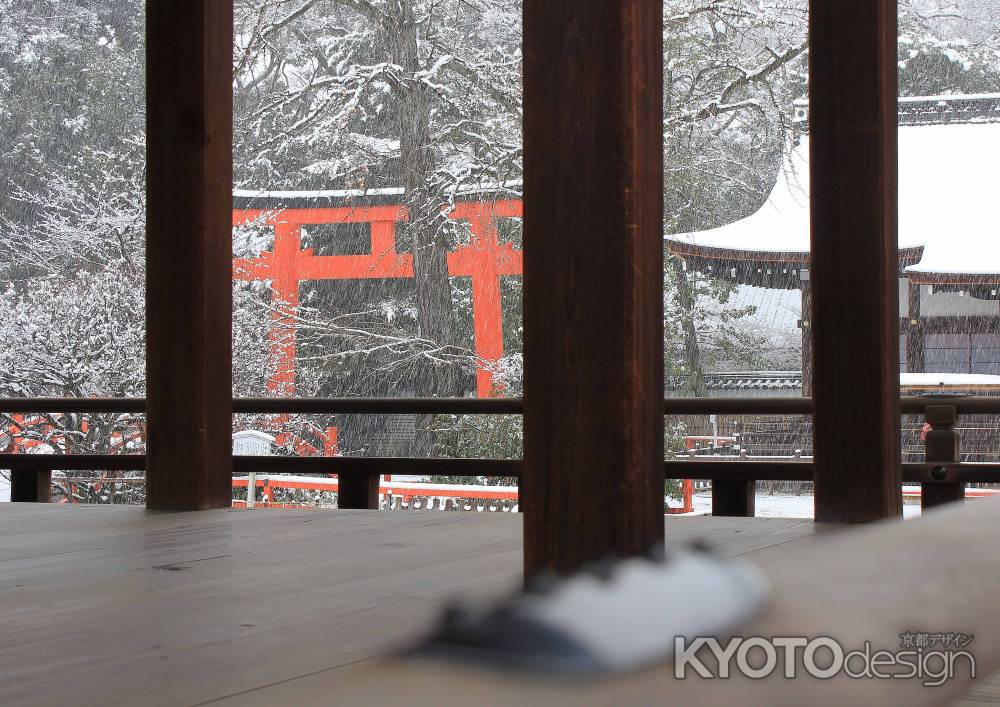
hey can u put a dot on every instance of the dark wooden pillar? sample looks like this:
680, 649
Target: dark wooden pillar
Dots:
30, 486
734, 497
941, 444
593, 281
853, 96
189, 253
805, 326
914, 331
357, 490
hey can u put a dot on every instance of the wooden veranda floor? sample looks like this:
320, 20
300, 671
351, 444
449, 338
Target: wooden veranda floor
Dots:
104, 605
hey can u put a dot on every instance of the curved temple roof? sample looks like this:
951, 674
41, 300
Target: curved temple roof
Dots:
949, 203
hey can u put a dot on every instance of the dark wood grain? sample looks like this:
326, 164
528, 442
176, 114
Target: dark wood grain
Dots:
852, 91
805, 325
31, 485
358, 490
941, 444
189, 253
593, 281
914, 331
733, 498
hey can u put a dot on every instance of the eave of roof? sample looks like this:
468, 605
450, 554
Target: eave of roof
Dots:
949, 157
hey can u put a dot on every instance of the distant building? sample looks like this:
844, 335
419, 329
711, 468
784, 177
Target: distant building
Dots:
949, 239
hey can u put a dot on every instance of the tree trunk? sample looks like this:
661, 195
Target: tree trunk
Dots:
429, 241
692, 350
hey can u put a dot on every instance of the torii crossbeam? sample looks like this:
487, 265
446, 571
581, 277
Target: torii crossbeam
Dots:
484, 259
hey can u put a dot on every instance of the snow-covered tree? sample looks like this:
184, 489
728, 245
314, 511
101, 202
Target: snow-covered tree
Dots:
359, 94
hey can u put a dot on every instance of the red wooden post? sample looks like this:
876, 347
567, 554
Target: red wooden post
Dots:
189, 254
854, 270
593, 281
283, 273
486, 261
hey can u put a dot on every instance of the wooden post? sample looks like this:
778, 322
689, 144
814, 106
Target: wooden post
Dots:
357, 490
189, 254
941, 444
805, 325
30, 486
593, 281
733, 497
854, 270
914, 331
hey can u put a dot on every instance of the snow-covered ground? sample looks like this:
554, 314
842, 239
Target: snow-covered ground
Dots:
783, 506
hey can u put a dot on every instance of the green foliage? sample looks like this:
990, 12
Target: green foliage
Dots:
478, 436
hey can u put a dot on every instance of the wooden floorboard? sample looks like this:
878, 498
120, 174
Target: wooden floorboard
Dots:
118, 605
865, 583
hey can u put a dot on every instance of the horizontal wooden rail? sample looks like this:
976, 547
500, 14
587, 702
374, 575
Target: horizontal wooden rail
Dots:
738, 470
302, 465
325, 406
480, 406
73, 462
380, 406
378, 465
71, 405
968, 472
741, 470
964, 404
707, 469
741, 406
909, 404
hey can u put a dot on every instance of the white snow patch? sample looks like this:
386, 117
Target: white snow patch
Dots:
782, 506
926, 380
317, 194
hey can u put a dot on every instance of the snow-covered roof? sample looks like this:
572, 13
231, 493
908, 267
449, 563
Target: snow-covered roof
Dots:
947, 205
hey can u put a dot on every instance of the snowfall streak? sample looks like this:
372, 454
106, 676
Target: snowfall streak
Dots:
484, 259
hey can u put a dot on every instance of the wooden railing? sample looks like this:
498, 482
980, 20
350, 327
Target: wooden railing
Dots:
943, 477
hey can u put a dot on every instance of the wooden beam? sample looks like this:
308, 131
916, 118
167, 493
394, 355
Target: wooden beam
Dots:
593, 274
189, 253
854, 271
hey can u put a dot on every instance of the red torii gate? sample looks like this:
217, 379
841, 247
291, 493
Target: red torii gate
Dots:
484, 259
